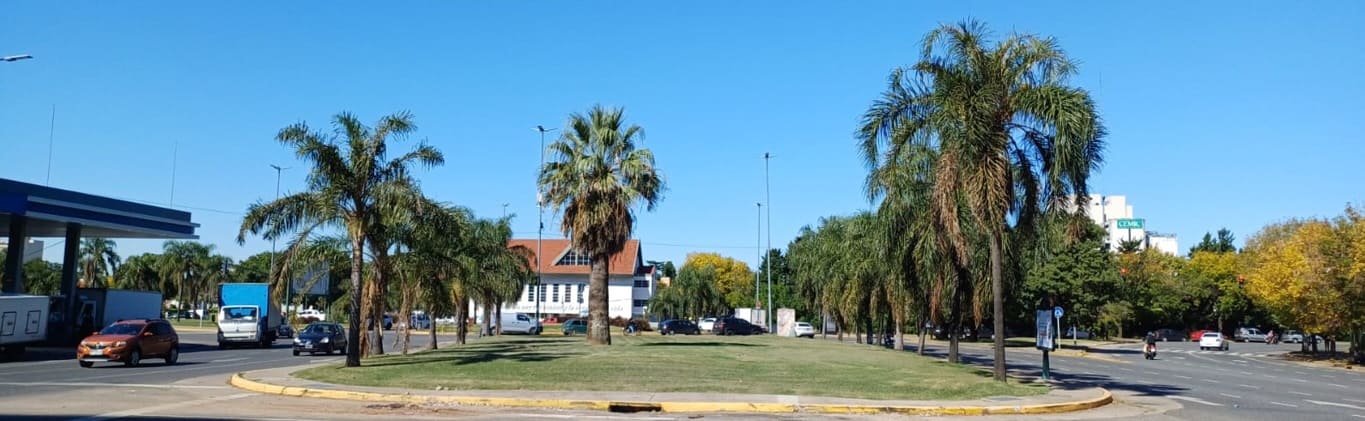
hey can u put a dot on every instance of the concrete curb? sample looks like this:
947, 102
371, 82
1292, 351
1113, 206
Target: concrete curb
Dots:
241, 382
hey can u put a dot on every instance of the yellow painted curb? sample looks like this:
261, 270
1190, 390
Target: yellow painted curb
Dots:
241, 382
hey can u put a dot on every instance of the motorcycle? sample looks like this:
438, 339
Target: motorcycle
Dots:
1149, 352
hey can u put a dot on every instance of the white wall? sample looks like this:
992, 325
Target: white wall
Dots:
621, 296
1165, 243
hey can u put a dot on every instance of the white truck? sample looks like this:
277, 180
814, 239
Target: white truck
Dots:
247, 315
23, 322
101, 307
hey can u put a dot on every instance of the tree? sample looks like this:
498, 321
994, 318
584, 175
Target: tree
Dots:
595, 176
42, 277
98, 261
1012, 137
692, 294
734, 281
140, 273
665, 268
1080, 276
1215, 274
1223, 244
255, 268
350, 182
1130, 246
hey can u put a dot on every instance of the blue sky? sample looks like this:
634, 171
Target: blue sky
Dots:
1232, 114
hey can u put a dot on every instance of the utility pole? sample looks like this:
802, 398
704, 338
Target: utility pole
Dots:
767, 196
758, 246
287, 286
540, 232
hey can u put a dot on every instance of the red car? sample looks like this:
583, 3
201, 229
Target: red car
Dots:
1196, 335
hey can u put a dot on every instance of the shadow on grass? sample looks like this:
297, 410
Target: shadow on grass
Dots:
700, 344
530, 349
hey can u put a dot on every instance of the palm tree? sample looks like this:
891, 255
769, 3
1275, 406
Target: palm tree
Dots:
188, 267
139, 273
595, 177
1014, 140
347, 187
98, 261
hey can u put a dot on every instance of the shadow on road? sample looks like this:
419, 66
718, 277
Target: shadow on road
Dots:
1063, 380
696, 344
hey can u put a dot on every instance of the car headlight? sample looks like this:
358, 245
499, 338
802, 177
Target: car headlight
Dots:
120, 344
325, 340
296, 340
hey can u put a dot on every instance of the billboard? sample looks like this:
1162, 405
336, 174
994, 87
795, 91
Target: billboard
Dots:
313, 281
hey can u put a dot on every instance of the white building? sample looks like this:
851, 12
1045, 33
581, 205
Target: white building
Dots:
32, 251
563, 291
1116, 216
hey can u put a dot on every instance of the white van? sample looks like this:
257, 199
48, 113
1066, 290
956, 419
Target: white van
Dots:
520, 323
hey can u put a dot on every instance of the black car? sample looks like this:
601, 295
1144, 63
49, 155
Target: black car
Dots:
1170, 335
736, 326
674, 327
321, 337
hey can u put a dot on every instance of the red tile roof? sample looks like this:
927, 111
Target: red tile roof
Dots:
624, 263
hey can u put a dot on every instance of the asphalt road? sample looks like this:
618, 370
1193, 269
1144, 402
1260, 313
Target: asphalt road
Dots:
1248, 382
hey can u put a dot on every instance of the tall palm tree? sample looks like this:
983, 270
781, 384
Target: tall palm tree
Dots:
1014, 140
98, 261
595, 176
350, 177
189, 268
139, 273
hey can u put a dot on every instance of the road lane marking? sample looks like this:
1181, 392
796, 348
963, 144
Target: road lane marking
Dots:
184, 369
1337, 385
1300, 373
1342, 405
1285, 404
1353, 400
1184, 377
111, 385
1249, 386
1248, 373
227, 360
1301, 380
1358, 416
160, 408
1300, 393
1195, 400
1209, 380
1231, 396
1328, 376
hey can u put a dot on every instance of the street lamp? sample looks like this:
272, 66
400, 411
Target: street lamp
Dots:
758, 245
767, 197
287, 287
540, 208
16, 57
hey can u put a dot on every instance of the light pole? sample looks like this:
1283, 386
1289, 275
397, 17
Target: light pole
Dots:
767, 197
287, 287
540, 208
504, 210
16, 57
758, 246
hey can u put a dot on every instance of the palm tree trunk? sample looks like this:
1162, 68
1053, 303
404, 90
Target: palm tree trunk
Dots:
599, 323
431, 343
998, 296
405, 308
353, 336
461, 318
900, 336
498, 317
377, 302
487, 328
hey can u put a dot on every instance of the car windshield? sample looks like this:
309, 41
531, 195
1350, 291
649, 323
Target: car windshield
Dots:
122, 329
1211, 335
240, 313
318, 329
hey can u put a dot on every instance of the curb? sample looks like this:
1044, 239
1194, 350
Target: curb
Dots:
242, 382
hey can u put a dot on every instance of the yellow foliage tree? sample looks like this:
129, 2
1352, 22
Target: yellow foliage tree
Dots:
734, 279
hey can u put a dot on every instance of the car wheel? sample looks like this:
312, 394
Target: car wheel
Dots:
134, 358
87, 364
296, 353
173, 356
342, 351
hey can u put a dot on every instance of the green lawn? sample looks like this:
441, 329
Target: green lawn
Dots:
652, 363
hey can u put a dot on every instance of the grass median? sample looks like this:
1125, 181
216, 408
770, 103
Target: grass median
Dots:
706, 364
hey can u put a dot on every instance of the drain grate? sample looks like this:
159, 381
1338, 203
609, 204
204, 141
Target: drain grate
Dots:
633, 407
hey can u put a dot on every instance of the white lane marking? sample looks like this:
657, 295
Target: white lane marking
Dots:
1184, 377
1358, 416
1300, 373
1337, 385
1195, 400
1209, 380
160, 408
1249, 386
1342, 405
227, 360
1231, 396
1301, 380
1285, 404
1328, 376
1248, 373
111, 385
1352, 400
1300, 393
184, 369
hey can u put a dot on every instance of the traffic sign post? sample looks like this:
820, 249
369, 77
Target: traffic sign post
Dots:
1131, 224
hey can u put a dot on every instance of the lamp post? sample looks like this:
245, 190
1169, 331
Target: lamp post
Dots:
540, 208
287, 288
767, 197
758, 245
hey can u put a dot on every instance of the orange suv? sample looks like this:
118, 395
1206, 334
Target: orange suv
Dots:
129, 341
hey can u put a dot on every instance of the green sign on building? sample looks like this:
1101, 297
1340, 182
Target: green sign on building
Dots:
1132, 224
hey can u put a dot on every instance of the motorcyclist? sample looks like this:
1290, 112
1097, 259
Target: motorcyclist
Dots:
1150, 342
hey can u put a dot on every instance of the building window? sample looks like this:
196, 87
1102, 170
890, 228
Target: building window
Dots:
555, 295
642, 283
574, 258
641, 303
530, 293
581, 287
542, 292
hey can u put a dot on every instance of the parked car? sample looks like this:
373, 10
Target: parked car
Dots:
130, 341
736, 326
323, 337
520, 323
1195, 336
707, 324
1077, 333
1213, 340
421, 322
673, 327
573, 326
1165, 335
285, 331
1249, 334
1292, 336
313, 315
804, 329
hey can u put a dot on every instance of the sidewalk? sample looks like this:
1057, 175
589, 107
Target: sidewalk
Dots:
280, 381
